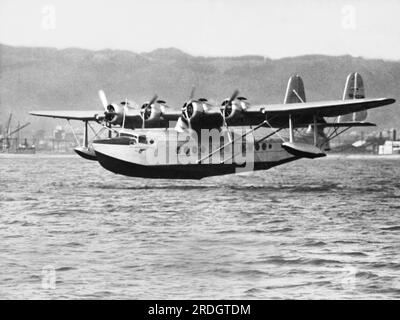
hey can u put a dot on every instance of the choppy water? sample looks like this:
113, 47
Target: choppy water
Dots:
326, 228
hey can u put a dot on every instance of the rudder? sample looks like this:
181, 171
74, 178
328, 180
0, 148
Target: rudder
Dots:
354, 89
295, 90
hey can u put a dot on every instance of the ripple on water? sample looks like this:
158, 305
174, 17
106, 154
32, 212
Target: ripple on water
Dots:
295, 231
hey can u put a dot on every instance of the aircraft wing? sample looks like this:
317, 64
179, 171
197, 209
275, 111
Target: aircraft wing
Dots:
71, 114
332, 108
171, 115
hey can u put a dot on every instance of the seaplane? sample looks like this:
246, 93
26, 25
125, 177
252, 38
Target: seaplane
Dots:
203, 140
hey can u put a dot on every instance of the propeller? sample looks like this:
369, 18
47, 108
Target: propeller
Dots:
147, 108
153, 100
124, 106
227, 105
188, 109
185, 110
103, 99
188, 118
107, 110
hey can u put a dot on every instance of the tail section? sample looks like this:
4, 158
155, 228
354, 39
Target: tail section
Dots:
354, 89
295, 93
295, 90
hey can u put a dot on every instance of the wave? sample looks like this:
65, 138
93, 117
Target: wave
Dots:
65, 268
308, 283
155, 187
281, 230
256, 188
394, 228
314, 243
300, 261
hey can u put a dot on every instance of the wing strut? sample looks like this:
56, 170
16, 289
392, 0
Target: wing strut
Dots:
291, 135
315, 130
231, 142
303, 150
73, 132
258, 141
85, 136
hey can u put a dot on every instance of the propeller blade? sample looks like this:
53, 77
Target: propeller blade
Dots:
142, 116
234, 95
187, 118
103, 99
154, 99
124, 106
192, 92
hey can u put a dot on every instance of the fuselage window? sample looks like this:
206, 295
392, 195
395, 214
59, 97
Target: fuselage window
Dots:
264, 146
142, 139
270, 146
126, 135
257, 146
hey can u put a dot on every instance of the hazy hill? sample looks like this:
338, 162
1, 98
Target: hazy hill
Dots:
47, 78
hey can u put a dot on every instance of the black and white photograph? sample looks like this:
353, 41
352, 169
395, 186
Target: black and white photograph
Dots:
199, 150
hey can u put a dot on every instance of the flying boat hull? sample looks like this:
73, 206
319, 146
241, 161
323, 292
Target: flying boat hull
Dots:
117, 156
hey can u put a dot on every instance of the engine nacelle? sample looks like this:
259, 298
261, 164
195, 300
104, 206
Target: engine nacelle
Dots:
151, 113
233, 109
114, 114
192, 110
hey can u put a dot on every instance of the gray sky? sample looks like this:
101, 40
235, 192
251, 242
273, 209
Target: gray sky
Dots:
368, 28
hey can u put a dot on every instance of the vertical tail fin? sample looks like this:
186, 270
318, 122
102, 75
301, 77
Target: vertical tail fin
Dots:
295, 90
354, 89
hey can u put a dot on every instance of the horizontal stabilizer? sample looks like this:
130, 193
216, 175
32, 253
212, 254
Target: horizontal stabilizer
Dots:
303, 150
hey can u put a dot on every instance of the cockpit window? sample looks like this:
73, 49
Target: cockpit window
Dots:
123, 134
